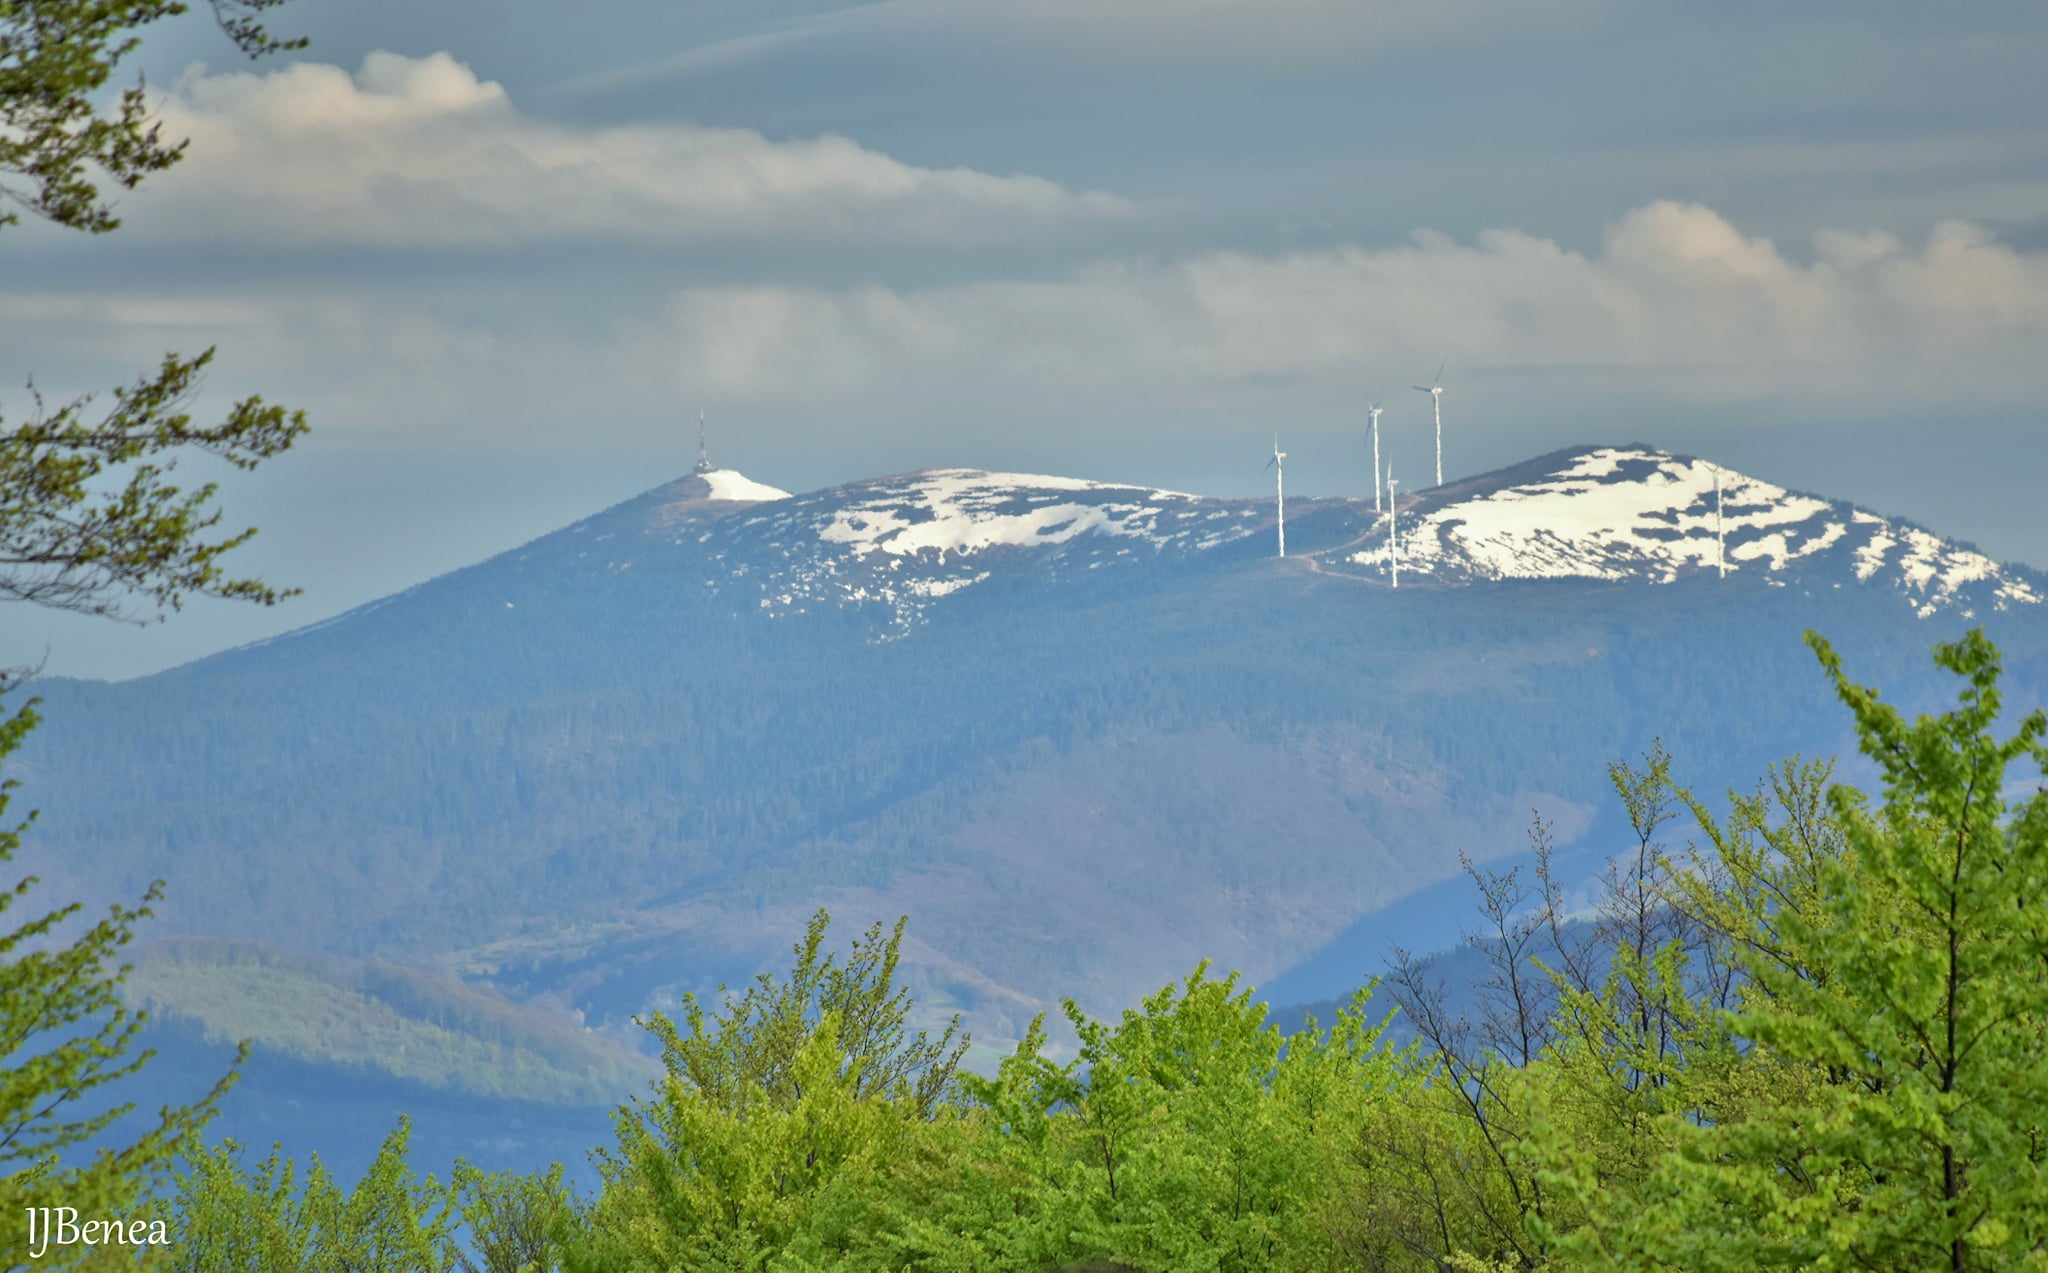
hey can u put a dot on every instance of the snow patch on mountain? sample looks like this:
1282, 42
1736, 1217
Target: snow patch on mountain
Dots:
905, 542
730, 484
1633, 513
966, 510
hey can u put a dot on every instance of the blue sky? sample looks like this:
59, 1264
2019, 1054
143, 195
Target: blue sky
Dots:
503, 252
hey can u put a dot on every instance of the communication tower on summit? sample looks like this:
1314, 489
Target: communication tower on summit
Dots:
703, 456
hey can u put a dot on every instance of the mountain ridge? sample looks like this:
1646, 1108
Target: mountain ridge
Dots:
903, 543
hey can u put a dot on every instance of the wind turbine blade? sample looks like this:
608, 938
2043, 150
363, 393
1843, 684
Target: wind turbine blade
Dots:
1438, 378
1424, 389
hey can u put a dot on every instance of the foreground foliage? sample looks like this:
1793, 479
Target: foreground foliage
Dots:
1813, 1040
1888, 1112
89, 521
66, 1042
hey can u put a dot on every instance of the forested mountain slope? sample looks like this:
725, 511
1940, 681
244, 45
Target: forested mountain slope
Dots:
1083, 734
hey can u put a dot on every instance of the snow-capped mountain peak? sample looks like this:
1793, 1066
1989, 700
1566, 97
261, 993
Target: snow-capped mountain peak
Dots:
1635, 513
1624, 514
897, 547
902, 542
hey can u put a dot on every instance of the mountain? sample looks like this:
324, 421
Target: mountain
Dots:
898, 546
1632, 514
1083, 734
1620, 514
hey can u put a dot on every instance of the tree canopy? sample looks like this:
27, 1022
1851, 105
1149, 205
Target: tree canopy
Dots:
69, 539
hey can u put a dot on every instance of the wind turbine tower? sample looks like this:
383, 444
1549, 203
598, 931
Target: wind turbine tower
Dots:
1393, 533
1374, 411
1720, 533
1435, 390
1279, 466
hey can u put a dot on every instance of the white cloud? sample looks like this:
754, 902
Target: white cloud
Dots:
420, 152
1676, 296
1676, 305
366, 363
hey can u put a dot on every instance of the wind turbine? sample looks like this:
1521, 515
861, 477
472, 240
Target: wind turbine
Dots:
1374, 411
1435, 390
1393, 534
1720, 534
1279, 466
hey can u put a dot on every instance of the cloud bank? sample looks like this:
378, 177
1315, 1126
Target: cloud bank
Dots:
419, 152
1677, 304
1676, 297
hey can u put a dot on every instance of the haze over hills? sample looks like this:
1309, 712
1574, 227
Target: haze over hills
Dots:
1083, 734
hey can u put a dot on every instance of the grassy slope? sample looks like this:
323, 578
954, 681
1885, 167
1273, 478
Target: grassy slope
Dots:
402, 1022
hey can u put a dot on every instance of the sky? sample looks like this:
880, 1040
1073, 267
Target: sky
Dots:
503, 252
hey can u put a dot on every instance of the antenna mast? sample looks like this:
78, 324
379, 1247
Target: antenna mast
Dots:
703, 455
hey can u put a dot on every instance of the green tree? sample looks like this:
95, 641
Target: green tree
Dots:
747, 1180
1554, 1113
73, 540
1595, 1026
783, 1113
68, 539
516, 1224
1893, 1009
275, 1220
749, 1044
1190, 1134
64, 1036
